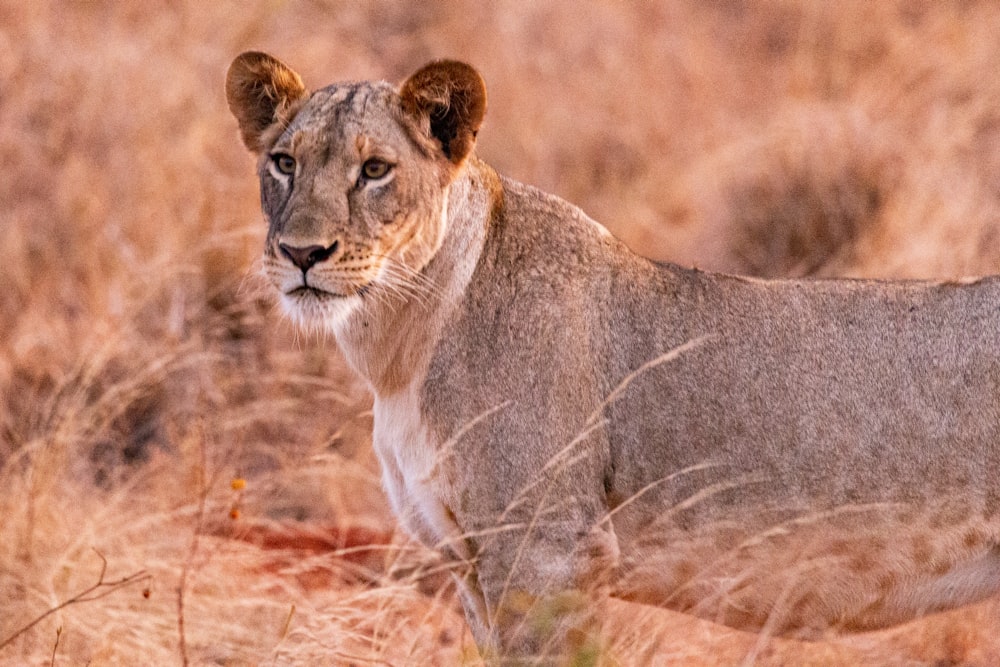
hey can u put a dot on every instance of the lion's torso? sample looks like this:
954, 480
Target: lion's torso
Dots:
823, 447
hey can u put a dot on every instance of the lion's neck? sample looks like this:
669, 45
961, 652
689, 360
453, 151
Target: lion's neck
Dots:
390, 341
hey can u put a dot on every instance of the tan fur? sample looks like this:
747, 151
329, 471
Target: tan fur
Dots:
565, 419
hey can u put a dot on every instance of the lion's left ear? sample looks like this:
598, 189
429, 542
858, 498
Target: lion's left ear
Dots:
450, 97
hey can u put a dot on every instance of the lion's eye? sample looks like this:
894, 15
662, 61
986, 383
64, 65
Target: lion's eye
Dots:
374, 169
284, 163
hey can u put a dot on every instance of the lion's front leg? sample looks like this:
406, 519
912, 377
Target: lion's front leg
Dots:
537, 591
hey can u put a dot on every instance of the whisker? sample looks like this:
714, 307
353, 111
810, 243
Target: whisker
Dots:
407, 282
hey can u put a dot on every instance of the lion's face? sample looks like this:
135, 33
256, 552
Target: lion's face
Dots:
353, 203
354, 179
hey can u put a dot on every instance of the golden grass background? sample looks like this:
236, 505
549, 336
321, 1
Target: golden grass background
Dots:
143, 367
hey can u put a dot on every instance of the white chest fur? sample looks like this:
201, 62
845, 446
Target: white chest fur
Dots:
409, 455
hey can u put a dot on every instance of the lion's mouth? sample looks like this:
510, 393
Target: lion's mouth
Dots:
309, 292
311, 306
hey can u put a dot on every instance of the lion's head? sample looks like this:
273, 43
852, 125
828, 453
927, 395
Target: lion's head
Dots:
354, 177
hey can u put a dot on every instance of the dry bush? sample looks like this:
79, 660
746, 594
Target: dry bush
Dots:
143, 367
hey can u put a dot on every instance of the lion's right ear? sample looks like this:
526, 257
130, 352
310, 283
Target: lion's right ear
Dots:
261, 91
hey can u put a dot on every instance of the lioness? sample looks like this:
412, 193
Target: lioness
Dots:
564, 419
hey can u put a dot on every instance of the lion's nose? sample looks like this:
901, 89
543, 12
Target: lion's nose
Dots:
307, 257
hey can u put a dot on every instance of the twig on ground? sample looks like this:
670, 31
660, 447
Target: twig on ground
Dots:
55, 646
96, 592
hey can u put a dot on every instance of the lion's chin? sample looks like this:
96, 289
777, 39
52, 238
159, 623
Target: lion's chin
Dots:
318, 310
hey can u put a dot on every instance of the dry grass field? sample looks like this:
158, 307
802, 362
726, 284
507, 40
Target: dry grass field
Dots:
184, 479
